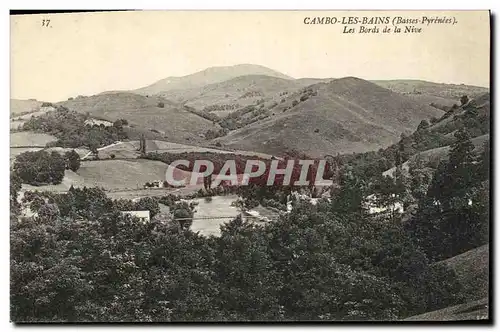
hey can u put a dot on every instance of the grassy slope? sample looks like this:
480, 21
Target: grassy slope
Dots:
233, 91
70, 179
121, 174
129, 149
172, 121
18, 106
29, 138
441, 153
472, 269
430, 92
347, 115
208, 76
473, 310
482, 103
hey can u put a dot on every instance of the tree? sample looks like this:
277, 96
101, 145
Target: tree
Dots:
15, 187
118, 124
49, 212
72, 160
40, 167
388, 195
464, 100
184, 213
351, 194
448, 221
420, 177
142, 144
148, 203
423, 125
161, 104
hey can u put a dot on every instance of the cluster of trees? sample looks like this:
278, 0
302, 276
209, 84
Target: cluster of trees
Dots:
446, 210
370, 164
305, 94
212, 133
221, 107
245, 116
475, 119
204, 114
43, 167
81, 260
250, 94
453, 214
70, 129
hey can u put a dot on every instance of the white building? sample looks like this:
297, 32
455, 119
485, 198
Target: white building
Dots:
142, 215
372, 206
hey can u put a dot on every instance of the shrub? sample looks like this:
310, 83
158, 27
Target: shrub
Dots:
161, 104
464, 100
113, 156
295, 103
46, 104
70, 129
72, 160
40, 167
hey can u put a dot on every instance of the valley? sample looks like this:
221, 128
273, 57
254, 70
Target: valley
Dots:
111, 147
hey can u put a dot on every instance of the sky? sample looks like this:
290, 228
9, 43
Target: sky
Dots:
88, 53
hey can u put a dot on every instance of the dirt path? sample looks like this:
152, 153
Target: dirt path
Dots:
100, 149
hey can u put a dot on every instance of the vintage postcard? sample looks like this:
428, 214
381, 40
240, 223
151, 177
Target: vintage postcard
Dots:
242, 166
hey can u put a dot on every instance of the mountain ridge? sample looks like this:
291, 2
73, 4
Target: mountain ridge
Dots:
341, 116
207, 76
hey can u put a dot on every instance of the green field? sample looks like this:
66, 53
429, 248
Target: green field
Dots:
121, 174
29, 138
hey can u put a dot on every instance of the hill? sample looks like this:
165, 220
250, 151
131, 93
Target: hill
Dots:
474, 310
434, 156
472, 269
30, 139
475, 116
341, 116
440, 94
19, 106
234, 93
208, 76
165, 118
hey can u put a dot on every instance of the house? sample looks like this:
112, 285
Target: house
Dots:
371, 204
142, 215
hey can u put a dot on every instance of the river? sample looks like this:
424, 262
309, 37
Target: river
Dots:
219, 206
